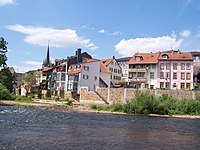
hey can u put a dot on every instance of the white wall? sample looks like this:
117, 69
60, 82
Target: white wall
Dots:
154, 81
105, 77
91, 83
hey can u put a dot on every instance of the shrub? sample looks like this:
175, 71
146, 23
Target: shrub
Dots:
5, 94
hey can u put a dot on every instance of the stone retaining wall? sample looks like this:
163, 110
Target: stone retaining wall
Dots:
114, 95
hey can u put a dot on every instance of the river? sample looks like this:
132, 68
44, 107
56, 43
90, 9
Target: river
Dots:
32, 128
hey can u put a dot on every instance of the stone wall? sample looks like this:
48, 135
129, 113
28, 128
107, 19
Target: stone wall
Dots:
89, 96
114, 95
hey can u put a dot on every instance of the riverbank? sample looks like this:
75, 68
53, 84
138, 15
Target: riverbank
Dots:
80, 107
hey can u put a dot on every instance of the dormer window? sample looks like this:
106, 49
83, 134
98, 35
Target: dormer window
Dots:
165, 56
138, 58
70, 68
78, 67
75, 67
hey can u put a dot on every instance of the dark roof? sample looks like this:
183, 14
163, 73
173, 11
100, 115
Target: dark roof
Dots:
195, 53
123, 59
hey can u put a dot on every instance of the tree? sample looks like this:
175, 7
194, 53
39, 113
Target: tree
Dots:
28, 81
7, 79
3, 50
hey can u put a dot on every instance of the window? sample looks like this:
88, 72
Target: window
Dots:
182, 66
78, 67
175, 75
75, 67
167, 85
63, 77
188, 76
167, 75
138, 58
111, 69
111, 77
119, 71
164, 56
188, 66
70, 68
95, 78
174, 66
161, 75
85, 77
182, 76
161, 85
162, 66
151, 75
86, 68
182, 85
140, 75
153, 66
167, 66
188, 85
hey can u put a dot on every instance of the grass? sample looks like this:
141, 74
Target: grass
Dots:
145, 103
24, 99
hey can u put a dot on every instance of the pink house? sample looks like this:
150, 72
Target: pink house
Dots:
175, 70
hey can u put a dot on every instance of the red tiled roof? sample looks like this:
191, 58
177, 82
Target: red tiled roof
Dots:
176, 55
103, 68
147, 58
89, 60
106, 62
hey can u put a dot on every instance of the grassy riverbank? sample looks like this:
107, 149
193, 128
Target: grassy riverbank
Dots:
145, 103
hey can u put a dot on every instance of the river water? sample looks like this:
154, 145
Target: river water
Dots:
31, 128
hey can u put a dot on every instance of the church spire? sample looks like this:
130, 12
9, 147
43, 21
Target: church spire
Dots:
46, 61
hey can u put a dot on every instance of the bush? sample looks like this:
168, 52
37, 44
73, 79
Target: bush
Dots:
5, 94
145, 103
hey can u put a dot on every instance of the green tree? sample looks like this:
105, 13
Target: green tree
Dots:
3, 50
28, 81
7, 79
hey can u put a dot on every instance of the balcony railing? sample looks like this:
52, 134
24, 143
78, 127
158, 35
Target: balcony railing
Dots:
138, 79
138, 70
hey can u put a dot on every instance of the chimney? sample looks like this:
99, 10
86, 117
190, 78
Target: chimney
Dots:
179, 51
172, 52
113, 57
78, 55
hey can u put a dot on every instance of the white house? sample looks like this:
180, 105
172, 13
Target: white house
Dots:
91, 73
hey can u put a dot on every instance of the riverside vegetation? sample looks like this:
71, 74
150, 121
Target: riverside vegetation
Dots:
145, 103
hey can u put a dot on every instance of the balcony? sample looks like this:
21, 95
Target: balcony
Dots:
137, 70
138, 79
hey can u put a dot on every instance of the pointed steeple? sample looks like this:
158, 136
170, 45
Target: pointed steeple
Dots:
46, 61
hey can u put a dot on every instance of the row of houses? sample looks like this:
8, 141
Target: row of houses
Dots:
163, 70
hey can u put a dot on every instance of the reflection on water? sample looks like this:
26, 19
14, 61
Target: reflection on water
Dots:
30, 128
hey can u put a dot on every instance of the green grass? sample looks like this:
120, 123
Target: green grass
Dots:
145, 103
24, 99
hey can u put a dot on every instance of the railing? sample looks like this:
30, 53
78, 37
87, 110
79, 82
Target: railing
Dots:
138, 79
138, 70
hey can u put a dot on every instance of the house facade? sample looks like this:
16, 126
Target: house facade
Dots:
175, 70
143, 70
123, 63
116, 72
91, 74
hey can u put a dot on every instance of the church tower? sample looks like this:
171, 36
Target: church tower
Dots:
46, 61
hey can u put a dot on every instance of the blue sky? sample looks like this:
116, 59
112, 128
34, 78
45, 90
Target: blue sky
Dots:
103, 28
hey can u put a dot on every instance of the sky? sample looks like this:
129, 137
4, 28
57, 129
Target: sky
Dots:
103, 28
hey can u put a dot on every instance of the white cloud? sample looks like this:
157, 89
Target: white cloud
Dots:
185, 33
66, 38
6, 2
102, 31
34, 63
131, 46
116, 33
